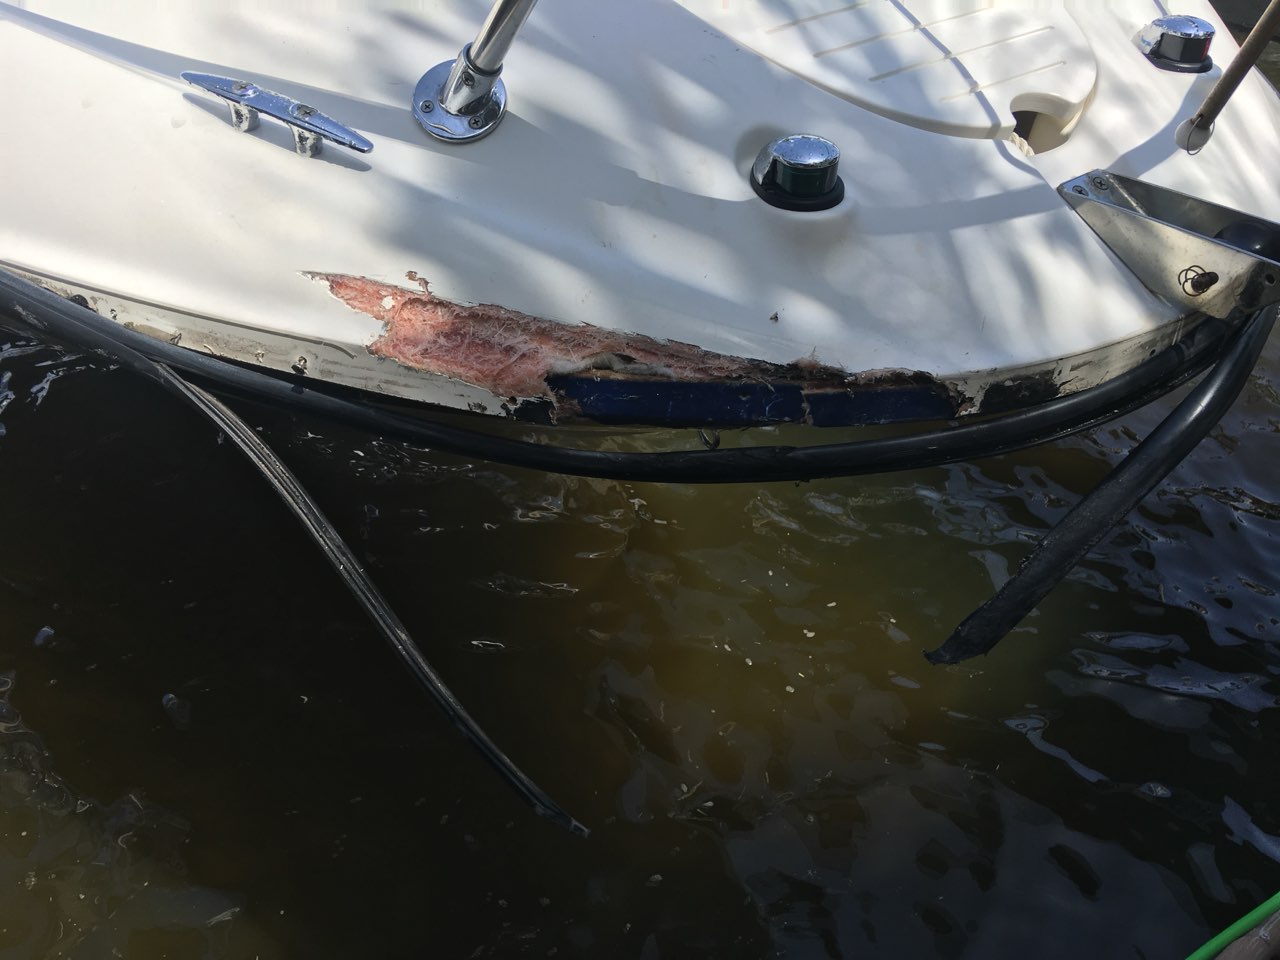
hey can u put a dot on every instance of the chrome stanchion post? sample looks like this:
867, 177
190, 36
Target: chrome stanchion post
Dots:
465, 99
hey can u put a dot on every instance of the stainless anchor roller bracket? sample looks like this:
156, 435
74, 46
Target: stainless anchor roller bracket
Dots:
1198, 255
464, 99
247, 101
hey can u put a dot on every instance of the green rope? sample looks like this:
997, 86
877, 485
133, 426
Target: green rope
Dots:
1237, 930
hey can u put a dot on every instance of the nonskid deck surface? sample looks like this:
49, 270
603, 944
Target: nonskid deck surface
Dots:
959, 67
611, 211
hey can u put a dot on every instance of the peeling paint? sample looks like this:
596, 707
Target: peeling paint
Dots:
513, 354
551, 371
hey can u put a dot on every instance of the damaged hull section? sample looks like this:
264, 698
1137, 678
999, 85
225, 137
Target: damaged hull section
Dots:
500, 362
544, 369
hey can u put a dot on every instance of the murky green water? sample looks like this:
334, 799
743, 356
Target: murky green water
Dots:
205, 751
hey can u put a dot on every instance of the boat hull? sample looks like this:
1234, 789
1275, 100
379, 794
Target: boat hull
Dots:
612, 263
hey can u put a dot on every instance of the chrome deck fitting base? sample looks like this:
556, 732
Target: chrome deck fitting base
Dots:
464, 99
481, 114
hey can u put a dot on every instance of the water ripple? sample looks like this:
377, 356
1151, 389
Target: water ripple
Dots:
1183, 678
87, 879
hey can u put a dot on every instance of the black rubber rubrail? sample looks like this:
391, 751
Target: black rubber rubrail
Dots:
35, 308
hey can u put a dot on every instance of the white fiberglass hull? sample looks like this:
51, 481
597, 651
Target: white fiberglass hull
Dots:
631, 272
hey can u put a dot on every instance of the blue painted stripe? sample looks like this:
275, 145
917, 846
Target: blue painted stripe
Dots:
744, 403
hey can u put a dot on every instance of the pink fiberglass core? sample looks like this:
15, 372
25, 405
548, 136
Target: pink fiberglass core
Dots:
512, 353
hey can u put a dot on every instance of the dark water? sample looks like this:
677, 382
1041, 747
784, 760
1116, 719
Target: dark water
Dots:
205, 751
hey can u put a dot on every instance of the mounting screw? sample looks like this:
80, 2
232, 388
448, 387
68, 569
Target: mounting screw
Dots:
1101, 184
476, 121
427, 106
300, 366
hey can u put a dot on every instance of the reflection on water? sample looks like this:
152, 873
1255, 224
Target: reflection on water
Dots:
83, 879
206, 752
